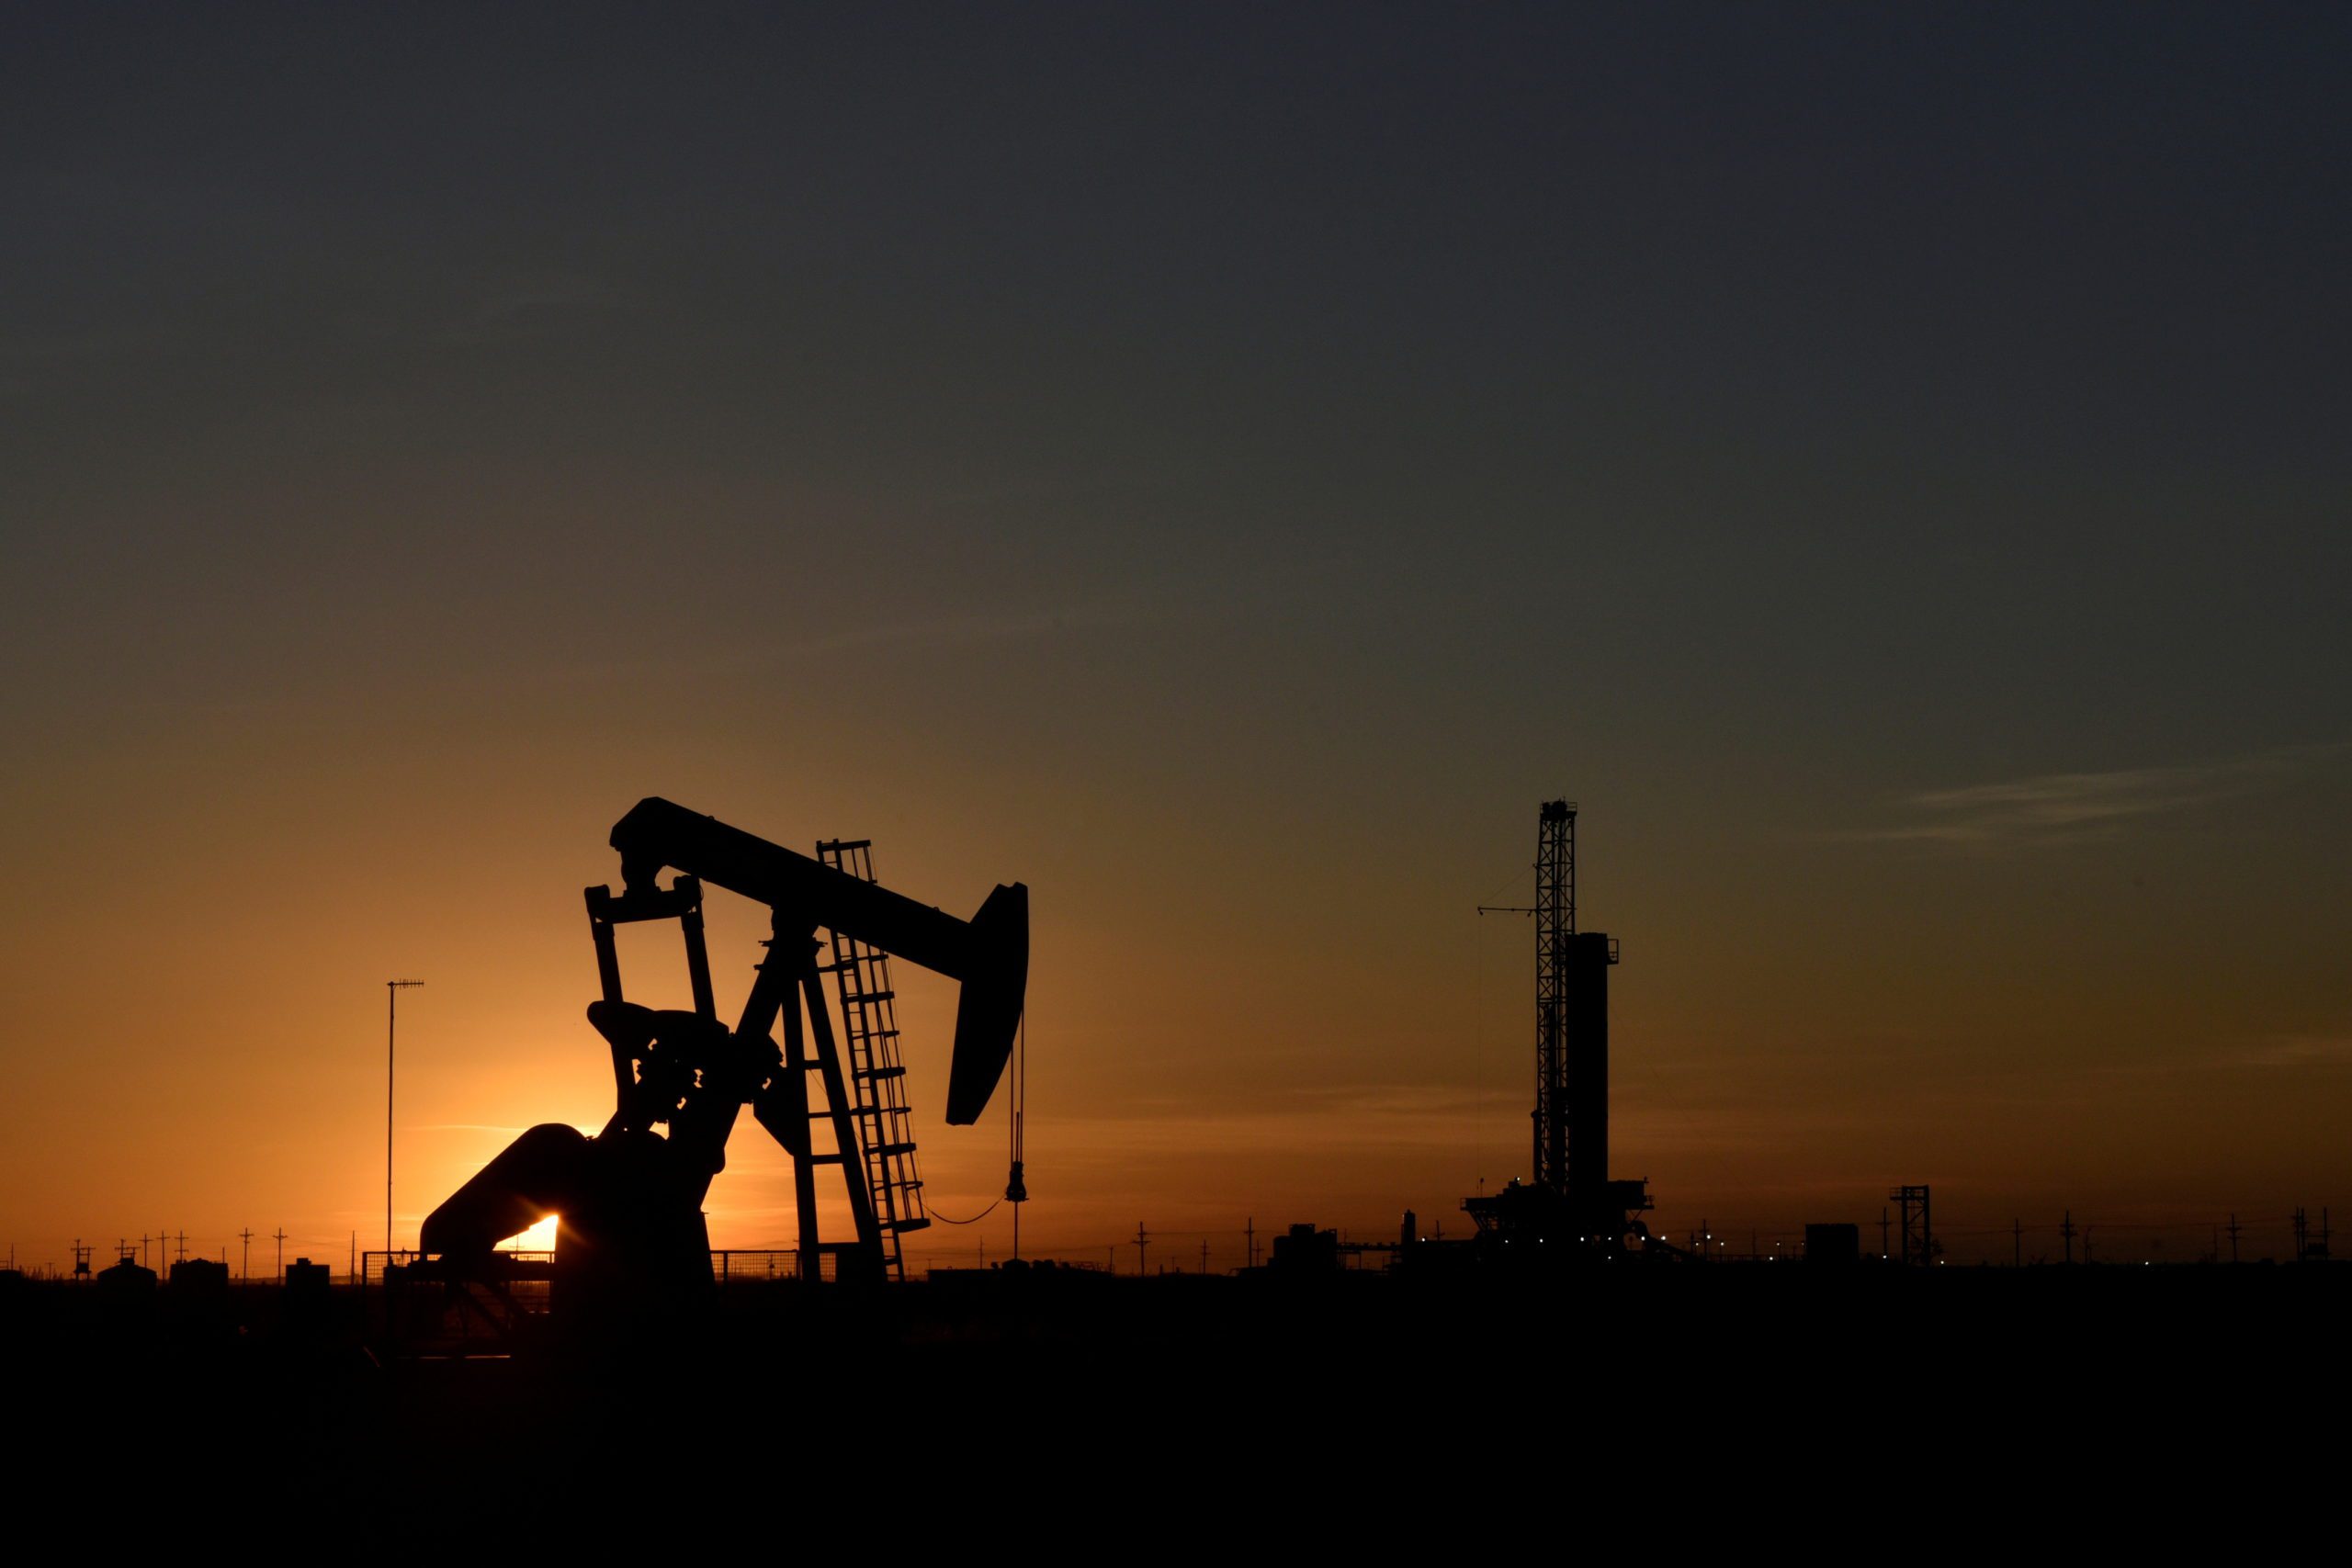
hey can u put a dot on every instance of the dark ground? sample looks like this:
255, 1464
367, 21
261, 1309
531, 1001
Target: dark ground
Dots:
1773, 1398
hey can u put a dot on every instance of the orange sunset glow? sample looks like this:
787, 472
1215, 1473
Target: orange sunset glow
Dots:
1064, 780
1227, 499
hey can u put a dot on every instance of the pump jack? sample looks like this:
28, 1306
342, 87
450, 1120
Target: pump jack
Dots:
631, 1238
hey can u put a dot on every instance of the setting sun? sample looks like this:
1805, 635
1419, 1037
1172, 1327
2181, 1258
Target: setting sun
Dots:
540, 1237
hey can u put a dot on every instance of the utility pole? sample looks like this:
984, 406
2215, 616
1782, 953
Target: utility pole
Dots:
1881, 1233
142, 1250
245, 1263
392, 990
1205, 1257
1249, 1237
1143, 1240
183, 1252
281, 1254
2066, 1229
2017, 1243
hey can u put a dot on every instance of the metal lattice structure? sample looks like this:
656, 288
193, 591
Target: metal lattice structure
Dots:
1556, 923
878, 1076
1918, 1240
1570, 1197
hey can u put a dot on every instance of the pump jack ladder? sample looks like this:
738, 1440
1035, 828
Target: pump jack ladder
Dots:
877, 1075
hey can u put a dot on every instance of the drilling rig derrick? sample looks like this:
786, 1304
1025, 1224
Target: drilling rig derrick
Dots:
1569, 1203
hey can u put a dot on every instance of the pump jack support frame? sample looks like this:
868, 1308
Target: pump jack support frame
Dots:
783, 987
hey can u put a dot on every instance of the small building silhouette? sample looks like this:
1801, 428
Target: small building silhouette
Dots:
200, 1275
127, 1278
1306, 1250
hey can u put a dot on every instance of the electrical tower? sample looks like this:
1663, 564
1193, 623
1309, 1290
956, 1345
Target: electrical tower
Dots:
1918, 1241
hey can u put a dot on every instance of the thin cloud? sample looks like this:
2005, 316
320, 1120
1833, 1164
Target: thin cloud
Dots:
944, 632
969, 629
543, 296
2071, 807
2271, 1053
2298, 1051
936, 632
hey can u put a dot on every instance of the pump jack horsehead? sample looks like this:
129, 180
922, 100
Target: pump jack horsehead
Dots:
631, 1235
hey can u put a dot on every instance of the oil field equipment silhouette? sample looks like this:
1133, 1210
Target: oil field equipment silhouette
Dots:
1570, 1205
630, 1237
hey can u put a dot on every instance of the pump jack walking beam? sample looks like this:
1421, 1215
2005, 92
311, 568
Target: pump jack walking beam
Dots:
988, 953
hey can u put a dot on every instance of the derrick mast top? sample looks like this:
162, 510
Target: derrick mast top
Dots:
1556, 923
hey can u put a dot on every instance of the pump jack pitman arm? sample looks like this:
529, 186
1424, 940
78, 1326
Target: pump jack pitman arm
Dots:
989, 954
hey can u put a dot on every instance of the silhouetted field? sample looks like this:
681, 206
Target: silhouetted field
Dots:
1632, 1388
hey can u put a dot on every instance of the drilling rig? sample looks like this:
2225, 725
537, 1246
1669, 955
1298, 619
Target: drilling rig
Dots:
631, 1243
1569, 1205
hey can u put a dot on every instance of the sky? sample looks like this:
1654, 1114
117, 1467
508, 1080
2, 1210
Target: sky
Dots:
1222, 467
